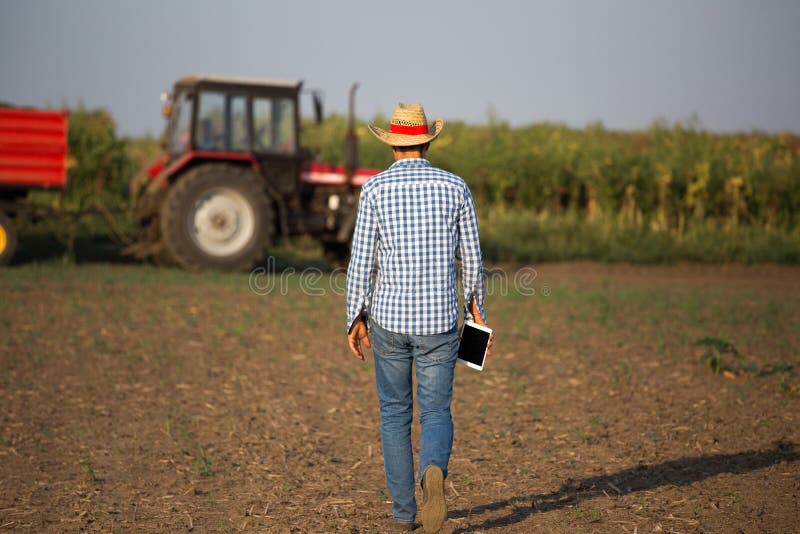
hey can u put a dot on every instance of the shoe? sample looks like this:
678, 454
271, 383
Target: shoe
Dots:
434, 507
399, 526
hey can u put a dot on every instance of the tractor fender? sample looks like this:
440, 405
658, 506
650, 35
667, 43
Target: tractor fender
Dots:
167, 174
163, 175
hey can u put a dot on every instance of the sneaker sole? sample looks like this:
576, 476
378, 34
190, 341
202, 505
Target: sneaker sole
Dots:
434, 508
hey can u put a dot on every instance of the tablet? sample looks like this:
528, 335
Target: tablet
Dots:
473, 345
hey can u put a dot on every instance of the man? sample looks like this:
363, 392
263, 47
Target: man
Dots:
413, 219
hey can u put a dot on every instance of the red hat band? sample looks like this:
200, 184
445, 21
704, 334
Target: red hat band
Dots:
408, 130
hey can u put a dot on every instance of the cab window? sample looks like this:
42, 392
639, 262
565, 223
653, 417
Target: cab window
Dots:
222, 122
274, 125
181, 119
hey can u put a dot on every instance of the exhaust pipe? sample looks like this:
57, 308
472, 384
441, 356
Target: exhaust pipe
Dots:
351, 141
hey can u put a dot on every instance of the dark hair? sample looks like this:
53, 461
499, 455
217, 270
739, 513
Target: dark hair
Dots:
413, 148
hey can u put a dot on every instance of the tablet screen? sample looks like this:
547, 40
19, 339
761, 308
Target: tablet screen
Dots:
473, 345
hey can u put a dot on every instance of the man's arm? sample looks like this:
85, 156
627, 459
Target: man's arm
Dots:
471, 261
359, 276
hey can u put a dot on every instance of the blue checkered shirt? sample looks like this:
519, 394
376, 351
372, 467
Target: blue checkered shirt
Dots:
414, 219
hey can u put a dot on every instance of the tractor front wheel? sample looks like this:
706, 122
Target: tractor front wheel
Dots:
217, 216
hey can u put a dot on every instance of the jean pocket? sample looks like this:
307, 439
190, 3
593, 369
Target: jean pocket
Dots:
439, 348
383, 341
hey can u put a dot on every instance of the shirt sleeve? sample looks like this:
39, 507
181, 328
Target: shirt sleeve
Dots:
362, 262
469, 247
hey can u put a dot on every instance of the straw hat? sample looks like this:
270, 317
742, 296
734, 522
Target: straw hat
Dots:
408, 127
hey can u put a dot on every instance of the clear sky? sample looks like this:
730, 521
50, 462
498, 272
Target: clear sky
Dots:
733, 63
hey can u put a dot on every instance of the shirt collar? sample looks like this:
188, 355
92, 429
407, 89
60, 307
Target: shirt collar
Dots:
406, 162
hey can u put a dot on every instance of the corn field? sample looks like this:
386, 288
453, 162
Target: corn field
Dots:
673, 186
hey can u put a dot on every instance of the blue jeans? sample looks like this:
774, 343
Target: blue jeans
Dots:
435, 359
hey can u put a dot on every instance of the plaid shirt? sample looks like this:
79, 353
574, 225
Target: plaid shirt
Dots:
414, 218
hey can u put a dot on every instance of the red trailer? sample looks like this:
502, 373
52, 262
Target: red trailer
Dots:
33, 155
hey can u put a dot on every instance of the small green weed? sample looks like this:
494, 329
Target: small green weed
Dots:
603, 308
621, 373
516, 371
660, 342
520, 500
88, 470
598, 421
102, 346
642, 509
741, 392
591, 513
722, 357
718, 343
75, 307
713, 355
790, 387
201, 463
737, 500
581, 436
239, 331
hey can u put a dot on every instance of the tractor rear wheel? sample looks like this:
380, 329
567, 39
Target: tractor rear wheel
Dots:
8, 239
337, 254
217, 216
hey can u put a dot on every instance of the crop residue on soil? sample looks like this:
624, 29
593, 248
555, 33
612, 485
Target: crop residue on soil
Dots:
134, 399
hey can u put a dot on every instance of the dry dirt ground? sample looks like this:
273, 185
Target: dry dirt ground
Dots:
134, 399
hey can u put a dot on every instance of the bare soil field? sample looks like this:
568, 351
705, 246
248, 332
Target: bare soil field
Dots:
619, 399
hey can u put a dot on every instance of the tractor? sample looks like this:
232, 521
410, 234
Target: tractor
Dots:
234, 177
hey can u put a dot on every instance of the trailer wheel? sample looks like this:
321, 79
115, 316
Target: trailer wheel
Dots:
217, 216
8, 239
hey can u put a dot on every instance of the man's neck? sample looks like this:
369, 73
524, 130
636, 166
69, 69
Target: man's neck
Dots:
398, 154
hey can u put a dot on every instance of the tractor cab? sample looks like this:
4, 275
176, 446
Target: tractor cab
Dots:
233, 115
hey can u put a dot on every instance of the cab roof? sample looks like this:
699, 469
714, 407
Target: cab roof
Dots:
196, 79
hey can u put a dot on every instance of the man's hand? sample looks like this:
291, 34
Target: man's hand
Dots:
479, 320
357, 335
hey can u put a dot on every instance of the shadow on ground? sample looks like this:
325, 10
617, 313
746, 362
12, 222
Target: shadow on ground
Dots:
680, 472
47, 248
